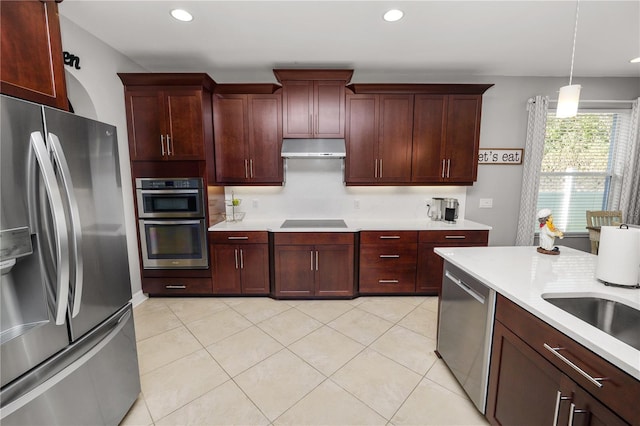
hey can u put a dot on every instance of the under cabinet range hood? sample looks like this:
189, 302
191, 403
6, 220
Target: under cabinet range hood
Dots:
313, 148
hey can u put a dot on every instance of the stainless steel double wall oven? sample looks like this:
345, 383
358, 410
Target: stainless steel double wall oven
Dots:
173, 227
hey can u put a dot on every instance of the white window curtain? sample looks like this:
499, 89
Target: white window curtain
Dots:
629, 200
533, 151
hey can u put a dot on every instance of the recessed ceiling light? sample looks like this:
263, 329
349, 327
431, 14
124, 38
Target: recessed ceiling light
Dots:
393, 15
181, 15
635, 60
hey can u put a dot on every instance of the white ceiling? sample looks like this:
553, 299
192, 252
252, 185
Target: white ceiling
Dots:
468, 38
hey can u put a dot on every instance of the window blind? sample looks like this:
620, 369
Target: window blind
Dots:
582, 165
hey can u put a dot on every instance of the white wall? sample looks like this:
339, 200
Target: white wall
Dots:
97, 78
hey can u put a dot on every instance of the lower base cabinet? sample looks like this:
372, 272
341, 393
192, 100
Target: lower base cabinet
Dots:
430, 265
239, 262
388, 262
526, 387
167, 286
313, 265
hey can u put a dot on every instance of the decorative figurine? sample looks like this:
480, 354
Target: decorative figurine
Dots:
548, 233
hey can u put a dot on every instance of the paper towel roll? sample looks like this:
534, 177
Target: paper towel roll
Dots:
619, 256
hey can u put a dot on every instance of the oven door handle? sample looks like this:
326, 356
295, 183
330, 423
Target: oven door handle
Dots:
169, 191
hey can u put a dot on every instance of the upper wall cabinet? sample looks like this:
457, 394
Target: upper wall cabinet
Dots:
378, 136
313, 102
31, 51
443, 143
248, 134
168, 116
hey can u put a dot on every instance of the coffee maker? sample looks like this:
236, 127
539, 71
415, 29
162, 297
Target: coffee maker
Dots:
436, 209
450, 209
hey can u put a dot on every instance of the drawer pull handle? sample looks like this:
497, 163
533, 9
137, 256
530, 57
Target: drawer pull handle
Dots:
455, 237
388, 281
175, 287
573, 411
389, 237
389, 256
559, 399
237, 238
595, 380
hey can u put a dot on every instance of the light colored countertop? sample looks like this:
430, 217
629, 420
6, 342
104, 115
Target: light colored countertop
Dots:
523, 275
355, 225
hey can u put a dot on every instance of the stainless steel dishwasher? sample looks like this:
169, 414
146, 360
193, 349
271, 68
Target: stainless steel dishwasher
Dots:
465, 331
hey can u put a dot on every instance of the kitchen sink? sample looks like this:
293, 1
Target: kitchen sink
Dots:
614, 318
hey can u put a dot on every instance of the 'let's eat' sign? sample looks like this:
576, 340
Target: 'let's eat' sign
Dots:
500, 156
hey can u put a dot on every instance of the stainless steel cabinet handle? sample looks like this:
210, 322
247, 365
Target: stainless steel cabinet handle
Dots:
381, 168
162, 145
389, 237
169, 146
175, 287
76, 227
241, 259
455, 237
375, 170
449, 167
311, 259
595, 380
60, 226
559, 399
573, 411
237, 238
388, 281
316, 260
389, 256
251, 168
443, 168
235, 255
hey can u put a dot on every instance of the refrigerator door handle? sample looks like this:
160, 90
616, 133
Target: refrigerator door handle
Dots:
60, 226
76, 227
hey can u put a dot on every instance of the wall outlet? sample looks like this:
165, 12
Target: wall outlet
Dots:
356, 204
254, 203
486, 203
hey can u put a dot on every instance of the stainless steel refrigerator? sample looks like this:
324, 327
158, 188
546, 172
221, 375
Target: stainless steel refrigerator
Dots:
67, 343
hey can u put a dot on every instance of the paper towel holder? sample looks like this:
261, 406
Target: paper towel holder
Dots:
611, 284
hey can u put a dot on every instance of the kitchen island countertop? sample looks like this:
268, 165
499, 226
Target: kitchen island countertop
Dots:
355, 225
524, 276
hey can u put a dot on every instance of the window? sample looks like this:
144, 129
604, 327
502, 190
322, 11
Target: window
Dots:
582, 165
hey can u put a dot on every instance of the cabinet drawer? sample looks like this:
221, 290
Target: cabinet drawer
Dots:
401, 255
377, 281
236, 237
386, 237
454, 236
313, 238
619, 390
169, 286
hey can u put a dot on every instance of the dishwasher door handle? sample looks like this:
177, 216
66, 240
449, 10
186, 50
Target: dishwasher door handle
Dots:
471, 292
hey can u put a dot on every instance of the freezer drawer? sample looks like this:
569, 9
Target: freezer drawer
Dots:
95, 382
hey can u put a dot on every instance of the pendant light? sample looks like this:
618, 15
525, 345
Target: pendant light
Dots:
569, 96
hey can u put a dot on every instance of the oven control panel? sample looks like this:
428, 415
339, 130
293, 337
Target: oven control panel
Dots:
176, 183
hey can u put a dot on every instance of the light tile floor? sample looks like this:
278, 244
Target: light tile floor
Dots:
258, 361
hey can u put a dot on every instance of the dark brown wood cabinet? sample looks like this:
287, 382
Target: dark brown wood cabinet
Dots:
239, 262
32, 65
388, 262
528, 384
169, 116
248, 137
378, 139
313, 102
430, 265
313, 265
432, 139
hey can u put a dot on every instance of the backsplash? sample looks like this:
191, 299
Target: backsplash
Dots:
314, 188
